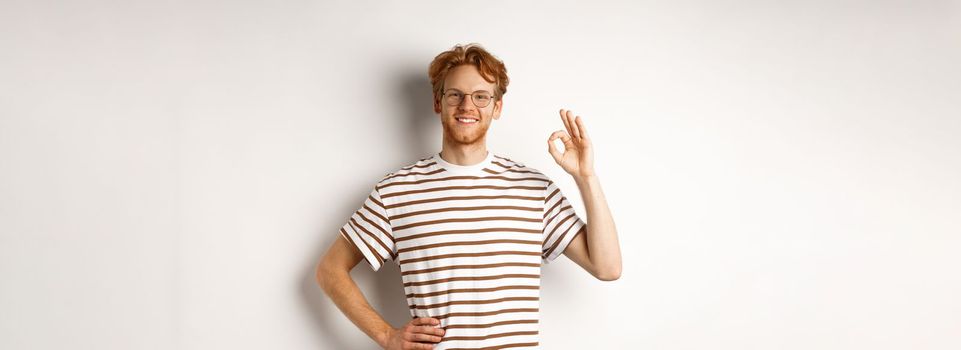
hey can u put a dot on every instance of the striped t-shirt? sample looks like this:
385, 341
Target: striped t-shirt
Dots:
470, 241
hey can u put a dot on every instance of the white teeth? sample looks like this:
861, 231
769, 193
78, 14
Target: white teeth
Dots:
468, 121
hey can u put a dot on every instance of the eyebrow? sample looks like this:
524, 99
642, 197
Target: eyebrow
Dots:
484, 90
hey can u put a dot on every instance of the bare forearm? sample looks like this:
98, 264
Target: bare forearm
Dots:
351, 301
603, 246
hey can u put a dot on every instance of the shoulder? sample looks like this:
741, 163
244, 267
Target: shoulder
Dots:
422, 167
502, 165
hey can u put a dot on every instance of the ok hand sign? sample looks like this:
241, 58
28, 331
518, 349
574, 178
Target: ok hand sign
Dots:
578, 156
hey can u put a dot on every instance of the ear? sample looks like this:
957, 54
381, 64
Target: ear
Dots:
437, 109
498, 106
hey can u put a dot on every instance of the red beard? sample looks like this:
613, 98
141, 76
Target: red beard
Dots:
459, 133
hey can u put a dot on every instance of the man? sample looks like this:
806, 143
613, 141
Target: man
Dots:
469, 228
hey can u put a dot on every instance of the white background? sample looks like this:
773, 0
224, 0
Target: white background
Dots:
783, 174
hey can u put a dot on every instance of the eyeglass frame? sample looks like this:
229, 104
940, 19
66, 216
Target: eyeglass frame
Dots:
472, 99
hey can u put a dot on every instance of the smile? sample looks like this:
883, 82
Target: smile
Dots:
466, 120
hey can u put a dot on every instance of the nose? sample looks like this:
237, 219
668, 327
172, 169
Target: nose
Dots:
466, 103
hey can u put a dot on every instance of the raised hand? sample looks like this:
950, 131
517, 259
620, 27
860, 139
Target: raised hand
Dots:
419, 333
578, 156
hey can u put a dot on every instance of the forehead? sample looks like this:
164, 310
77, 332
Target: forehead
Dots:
466, 78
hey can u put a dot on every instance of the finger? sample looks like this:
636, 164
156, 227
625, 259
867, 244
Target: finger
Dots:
564, 136
567, 123
580, 127
420, 337
575, 133
428, 330
552, 149
568, 141
425, 321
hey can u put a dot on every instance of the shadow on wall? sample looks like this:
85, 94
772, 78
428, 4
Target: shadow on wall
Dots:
423, 125
383, 289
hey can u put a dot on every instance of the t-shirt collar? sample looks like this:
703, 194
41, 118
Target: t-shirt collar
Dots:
465, 169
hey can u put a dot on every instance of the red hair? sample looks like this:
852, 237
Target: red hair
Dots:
490, 68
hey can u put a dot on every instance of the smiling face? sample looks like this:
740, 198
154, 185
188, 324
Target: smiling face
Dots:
457, 129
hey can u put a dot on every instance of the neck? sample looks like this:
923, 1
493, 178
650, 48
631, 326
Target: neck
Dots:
461, 154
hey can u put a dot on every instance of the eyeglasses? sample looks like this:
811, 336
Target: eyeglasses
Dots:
480, 98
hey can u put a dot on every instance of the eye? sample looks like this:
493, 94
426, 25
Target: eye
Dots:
483, 97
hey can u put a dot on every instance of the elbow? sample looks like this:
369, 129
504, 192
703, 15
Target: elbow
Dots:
610, 274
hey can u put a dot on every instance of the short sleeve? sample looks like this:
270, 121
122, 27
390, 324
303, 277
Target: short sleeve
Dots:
369, 230
561, 223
